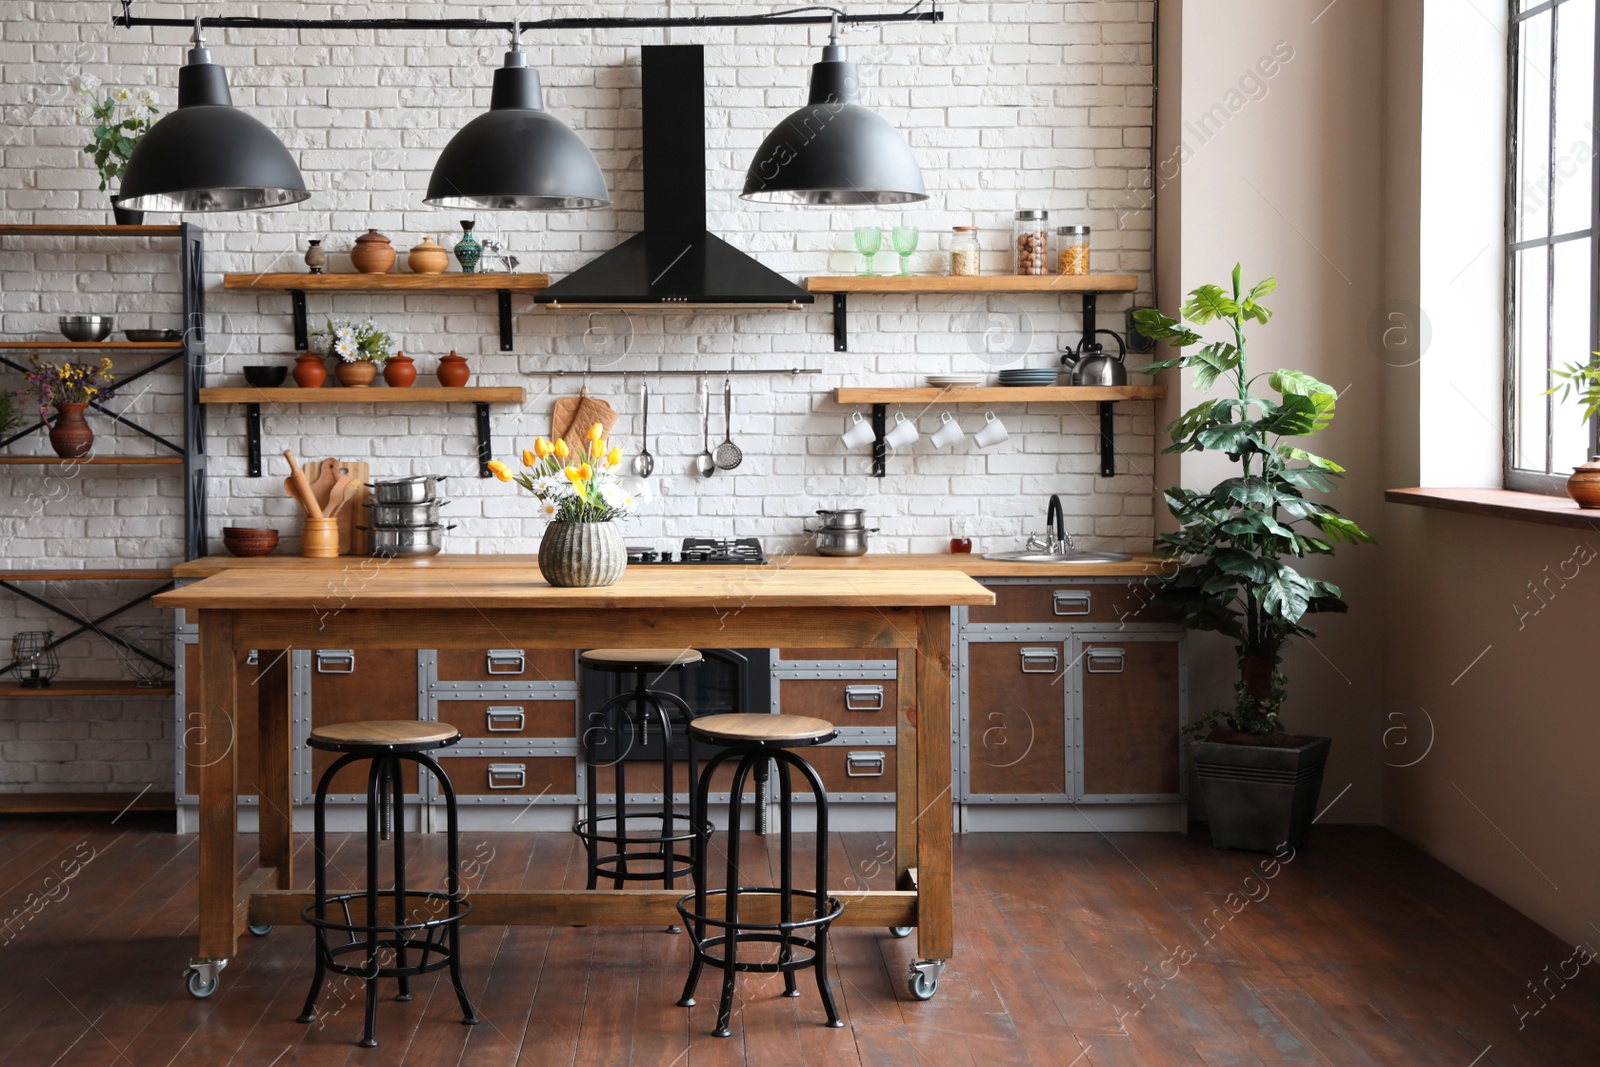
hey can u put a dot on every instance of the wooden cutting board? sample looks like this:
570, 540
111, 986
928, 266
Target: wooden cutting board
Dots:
572, 416
352, 542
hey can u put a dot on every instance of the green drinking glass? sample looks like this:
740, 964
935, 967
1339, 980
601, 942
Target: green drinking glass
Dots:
905, 243
868, 240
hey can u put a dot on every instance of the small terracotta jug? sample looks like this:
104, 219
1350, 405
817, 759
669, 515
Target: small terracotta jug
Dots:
372, 254
453, 371
1584, 485
309, 371
400, 372
71, 435
428, 258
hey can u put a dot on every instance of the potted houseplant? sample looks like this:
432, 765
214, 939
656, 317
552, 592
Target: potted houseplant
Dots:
120, 119
1583, 381
582, 496
10, 417
361, 347
68, 388
1236, 543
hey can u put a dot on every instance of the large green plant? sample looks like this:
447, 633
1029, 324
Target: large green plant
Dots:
1237, 537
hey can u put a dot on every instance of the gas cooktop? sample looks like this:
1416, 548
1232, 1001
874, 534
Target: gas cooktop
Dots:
704, 550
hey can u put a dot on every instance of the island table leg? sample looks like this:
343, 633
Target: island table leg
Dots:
935, 900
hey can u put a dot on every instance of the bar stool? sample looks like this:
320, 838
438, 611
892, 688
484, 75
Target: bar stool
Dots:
627, 717
417, 923
756, 740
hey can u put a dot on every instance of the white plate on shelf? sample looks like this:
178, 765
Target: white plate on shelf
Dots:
941, 381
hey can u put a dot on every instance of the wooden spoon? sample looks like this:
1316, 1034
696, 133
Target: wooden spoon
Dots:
300, 489
339, 495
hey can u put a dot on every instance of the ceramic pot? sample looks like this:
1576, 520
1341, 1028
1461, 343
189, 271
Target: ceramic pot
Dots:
401, 371
453, 371
468, 250
357, 375
309, 371
125, 216
582, 553
71, 435
1584, 485
428, 258
316, 257
372, 254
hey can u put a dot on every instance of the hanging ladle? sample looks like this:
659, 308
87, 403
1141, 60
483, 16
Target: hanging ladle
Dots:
644, 462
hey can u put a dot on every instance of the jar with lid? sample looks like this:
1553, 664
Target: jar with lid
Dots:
1031, 239
1073, 257
964, 251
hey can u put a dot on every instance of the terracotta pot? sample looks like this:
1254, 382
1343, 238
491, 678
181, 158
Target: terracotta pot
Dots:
1584, 485
582, 553
358, 375
309, 371
401, 371
453, 371
372, 254
70, 435
428, 258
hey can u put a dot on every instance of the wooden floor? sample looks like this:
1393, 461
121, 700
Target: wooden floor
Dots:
1073, 950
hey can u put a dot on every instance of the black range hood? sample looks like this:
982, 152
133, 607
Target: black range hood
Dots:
674, 261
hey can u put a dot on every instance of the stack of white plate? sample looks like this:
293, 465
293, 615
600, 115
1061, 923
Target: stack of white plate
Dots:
947, 381
1029, 376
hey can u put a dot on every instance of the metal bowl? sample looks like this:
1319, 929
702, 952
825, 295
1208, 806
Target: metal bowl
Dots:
423, 514
416, 490
84, 328
407, 541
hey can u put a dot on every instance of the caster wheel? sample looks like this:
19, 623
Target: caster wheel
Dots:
201, 987
922, 987
900, 931
259, 931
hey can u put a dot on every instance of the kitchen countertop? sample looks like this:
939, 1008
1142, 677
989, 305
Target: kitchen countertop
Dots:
974, 565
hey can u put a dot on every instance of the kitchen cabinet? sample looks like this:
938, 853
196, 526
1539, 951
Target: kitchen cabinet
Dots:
858, 690
360, 686
1130, 701
1015, 744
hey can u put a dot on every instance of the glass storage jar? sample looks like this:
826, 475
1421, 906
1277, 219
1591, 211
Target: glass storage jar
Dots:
1031, 240
1073, 257
964, 251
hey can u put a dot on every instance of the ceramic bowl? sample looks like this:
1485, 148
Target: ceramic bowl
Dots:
249, 541
265, 377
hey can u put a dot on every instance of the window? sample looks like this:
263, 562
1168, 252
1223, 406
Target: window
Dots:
1551, 267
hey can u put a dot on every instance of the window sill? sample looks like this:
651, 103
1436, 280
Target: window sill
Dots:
1501, 504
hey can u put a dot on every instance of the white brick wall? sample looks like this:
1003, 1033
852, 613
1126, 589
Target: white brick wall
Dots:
1007, 105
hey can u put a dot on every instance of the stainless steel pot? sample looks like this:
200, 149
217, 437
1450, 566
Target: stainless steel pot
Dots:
407, 540
847, 519
423, 514
842, 533
417, 490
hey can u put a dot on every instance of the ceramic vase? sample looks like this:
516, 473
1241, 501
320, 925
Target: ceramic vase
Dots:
453, 371
582, 553
372, 254
316, 257
428, 258
468, 250
357, 375
400, 372
1584, 485
71, 435
309, 371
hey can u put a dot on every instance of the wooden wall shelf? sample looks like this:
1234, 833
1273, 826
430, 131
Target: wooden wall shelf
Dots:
91, 346
47, 230
72, 687
79, 803
298, 285
132, 574
40, 461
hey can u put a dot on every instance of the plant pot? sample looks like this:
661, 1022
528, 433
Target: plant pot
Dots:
309, 371
428, 258
70, 434
357, 375
1584, 485
125, 216
582, 553
453, 371
400, 371
372, 254
1259, 797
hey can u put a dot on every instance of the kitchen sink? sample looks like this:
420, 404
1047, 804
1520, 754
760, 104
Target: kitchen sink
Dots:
1058, 557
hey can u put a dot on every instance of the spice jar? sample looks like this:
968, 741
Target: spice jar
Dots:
1031, 234
1074, 255
964, 251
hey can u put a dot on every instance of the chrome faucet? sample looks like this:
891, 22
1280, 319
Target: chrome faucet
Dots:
1055, 539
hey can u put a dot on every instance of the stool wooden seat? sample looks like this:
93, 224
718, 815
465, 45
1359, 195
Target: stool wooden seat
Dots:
778, 731
640, 657
396, 735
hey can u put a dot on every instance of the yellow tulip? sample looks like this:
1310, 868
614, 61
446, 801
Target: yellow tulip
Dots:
597, 449
541, 448
596, 432
614, 457
561, 449
499, 470
528, 459
585, 472
572, 474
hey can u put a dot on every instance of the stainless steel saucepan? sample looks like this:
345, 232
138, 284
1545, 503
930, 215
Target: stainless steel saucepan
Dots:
417, 490
407, 540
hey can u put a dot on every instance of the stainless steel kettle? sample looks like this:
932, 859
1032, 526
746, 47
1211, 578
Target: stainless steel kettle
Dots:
1091, 366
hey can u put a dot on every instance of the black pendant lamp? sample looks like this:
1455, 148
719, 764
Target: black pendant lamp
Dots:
517, 156
833, 151
207, 156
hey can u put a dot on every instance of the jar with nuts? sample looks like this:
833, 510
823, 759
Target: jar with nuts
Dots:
1032, 241
964, 251
1073, 243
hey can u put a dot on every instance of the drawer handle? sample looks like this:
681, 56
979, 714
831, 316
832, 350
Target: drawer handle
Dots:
865, 765
336, 661
863, 698
1104, 660
506, 720
1070, 602
507, 775
507, 660
1050, 657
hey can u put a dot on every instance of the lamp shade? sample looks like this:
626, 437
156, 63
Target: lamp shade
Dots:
516, 156
207, 156
833, 151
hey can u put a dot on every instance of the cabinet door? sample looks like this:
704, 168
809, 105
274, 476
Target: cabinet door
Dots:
1131, 696
1015, 731
361, 686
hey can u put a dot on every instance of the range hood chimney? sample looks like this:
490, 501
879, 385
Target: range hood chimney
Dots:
674, 262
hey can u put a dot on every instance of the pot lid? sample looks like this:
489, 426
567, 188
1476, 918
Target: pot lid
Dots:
372, 237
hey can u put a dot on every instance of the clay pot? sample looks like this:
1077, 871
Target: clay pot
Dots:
372, 254
453, 371
1584, 485
309, 371
401, 371
428, 258
357, 375
71, 435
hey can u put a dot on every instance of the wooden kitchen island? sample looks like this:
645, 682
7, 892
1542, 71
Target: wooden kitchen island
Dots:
490, 603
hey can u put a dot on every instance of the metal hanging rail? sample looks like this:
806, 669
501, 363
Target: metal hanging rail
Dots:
795, 371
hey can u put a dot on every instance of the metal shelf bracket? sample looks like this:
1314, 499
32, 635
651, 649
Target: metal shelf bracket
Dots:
505, 322
252, 430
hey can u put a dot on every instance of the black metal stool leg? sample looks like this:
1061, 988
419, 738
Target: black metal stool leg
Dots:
730, 947
395, 801
319, 841
699, 810
786, 870
375, 800
469, 1015
823, 989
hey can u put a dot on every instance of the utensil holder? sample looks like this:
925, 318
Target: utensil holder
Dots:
319, 538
